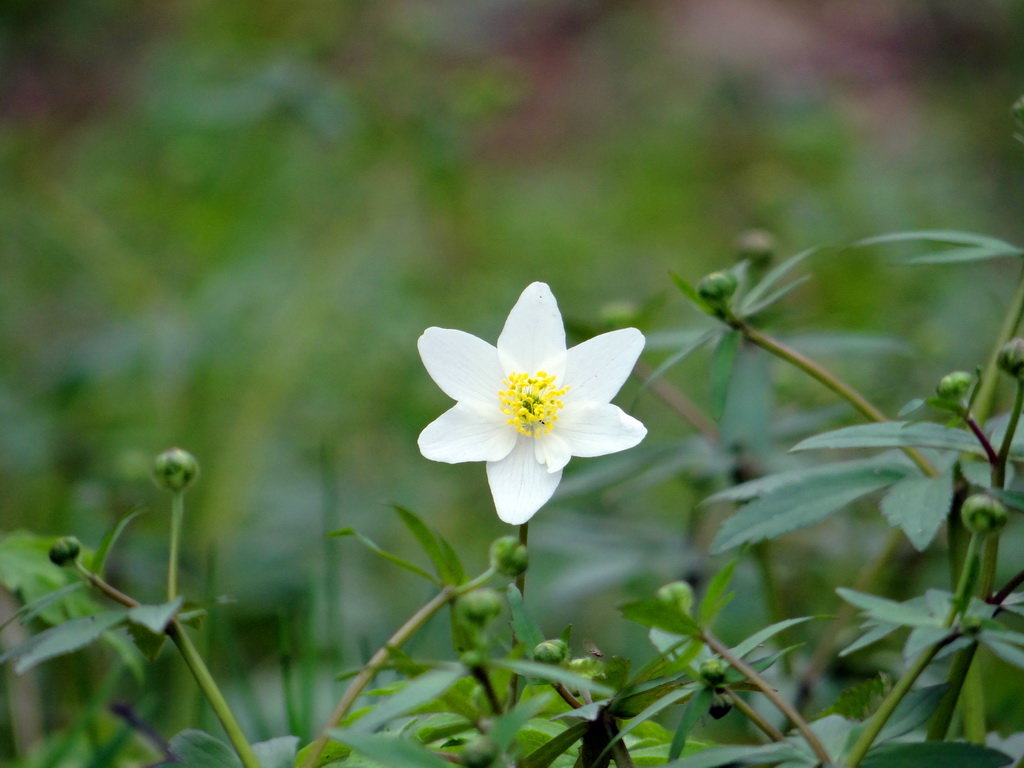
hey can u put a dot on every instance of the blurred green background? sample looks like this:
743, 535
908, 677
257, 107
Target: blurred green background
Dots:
223, 226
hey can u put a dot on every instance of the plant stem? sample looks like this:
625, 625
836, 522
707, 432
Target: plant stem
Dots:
769, 579
177, 515
196, 666
213, 694
999, 469
524, 539
773, 696
985, 396
1007, 589
360, 681
939, 725
751, 714
815, 371
986, 444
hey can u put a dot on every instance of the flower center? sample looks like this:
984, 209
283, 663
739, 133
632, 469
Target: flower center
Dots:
532, 402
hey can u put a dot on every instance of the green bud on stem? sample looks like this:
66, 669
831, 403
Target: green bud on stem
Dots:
65, 551
478, 607
712, 672
720, 706
982, 514
508, 556
678, 595
1011, 358
586, 666
717, 288
954, 386
755, 245
175, 470
551, 652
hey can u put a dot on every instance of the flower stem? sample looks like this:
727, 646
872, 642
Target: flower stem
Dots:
986, 444
999, 469
773, 696
751, 714
194, 661
360, 681
177, 516
985, 396
815, 371
524, 539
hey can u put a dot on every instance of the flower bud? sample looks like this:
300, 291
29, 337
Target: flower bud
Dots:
983, 514
720, 706
474, 658
65, 551
1011, 358
756, 245
717, 288
508, 556
586, 666
175, 470
678, 595
970, 625
479, 752
478, 607
551, 652
712, 672
955, 385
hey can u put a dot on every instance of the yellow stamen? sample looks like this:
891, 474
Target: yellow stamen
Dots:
531, 402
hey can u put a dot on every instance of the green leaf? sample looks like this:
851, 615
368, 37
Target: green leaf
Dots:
691, 293
919, 505
696, 708
894, 434
544, 756
691, 346
753, 642
155, 618
714, 757
798, 506
745, 423
415, 692
715, 597
914, 710
447, 563
505, 728
551, 673
943, 236
751, 301
905, 614
99, 558
198, 749
1008, 653
62, 639
29, 611
401, 562
721, 369
858, 702
960, 255
654, 613
526, 631
277, 753
390, 750
873, 635
934, 754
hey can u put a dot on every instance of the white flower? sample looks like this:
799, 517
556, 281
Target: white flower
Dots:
529, 405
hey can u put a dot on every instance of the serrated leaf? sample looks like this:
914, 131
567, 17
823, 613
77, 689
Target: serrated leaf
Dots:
722, 358
893, 434
391, 558
934, 754
413, 693
526, 631
198, 749
654, 613
277, 753
759, 638
155, 618
798, 507
858, 702
905, 614
716, 757
551, 673
445, 561
545, 755
61, 639
390, 750
919, 506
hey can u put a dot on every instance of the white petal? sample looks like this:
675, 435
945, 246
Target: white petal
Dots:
533, 338
520, 484
468, 433
551, 451
596, 369
462, 365
596, 429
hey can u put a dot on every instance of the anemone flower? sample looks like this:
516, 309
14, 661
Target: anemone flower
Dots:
528, 405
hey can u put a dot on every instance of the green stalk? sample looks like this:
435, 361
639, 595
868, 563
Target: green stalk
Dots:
513, 682
985, 396
177, 516
383, 654
751, 714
